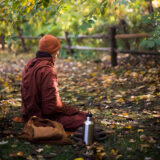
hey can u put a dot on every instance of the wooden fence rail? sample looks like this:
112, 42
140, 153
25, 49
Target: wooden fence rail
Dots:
112, 37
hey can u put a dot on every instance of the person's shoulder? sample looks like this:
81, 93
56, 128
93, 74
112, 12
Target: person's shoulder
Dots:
46, 68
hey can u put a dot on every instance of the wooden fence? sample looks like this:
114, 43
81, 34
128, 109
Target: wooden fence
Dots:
112, 37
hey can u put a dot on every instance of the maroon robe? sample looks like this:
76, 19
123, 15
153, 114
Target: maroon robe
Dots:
40, 95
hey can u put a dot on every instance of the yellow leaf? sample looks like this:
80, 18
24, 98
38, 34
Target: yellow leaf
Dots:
32, 1
1, 80
24, 2
125, 114
28, 9
79, 159
140, 130
158, 94
118, 156
100, 156
112, 126
93, 74
68, 60
114, 152
20, 154
100, 148
47, 146
6, 84
17, 119
121, 100
128, 127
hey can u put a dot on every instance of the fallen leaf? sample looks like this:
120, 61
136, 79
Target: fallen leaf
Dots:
125, 114
100, 155
14, 146
101, 148
129, 149
110, 131
128, 127
148, 158
39, 150
118, 156
151, 140
132, 141
3, 142
20, 154
79, 158
143, 137
140, 130
144, 146
114, 152
120, 100
17, 119
93, 111
30, 158
13, 155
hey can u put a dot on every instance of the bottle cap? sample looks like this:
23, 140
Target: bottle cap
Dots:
89, 114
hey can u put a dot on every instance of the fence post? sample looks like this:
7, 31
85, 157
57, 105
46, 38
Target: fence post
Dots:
71, 51
113, 46
22, 39
3, 41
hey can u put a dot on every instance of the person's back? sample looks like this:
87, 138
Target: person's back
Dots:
35, 70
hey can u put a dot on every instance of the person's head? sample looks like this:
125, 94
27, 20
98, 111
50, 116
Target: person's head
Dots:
50, 44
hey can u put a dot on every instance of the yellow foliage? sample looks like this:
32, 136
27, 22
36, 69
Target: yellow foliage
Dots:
32, 1
24, 3
28, 9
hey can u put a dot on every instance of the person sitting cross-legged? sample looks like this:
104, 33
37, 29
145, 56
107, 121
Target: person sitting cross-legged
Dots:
39, 89
40, 96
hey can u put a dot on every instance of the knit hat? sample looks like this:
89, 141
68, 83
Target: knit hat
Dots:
49, 44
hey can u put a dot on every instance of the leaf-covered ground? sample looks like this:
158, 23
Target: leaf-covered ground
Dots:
125, 101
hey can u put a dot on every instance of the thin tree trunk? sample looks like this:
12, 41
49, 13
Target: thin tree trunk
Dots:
22, 39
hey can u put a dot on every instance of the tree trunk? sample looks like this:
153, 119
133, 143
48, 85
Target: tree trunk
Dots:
22, 39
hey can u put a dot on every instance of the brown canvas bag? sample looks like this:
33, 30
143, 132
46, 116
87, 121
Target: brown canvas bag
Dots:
44, 131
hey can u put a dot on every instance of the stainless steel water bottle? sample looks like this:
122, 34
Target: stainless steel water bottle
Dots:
88, 129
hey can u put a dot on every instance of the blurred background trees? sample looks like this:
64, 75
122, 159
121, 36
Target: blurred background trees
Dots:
39, 17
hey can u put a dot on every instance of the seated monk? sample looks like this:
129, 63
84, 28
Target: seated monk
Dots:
39, 89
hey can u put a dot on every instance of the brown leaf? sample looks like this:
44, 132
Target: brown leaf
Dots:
17, 119
144, 146
132, 140
151, 140
143, 137
110, 131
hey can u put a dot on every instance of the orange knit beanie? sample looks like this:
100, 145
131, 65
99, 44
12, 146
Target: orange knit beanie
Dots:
49, 44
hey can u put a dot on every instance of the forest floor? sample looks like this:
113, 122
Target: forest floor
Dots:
125, 101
